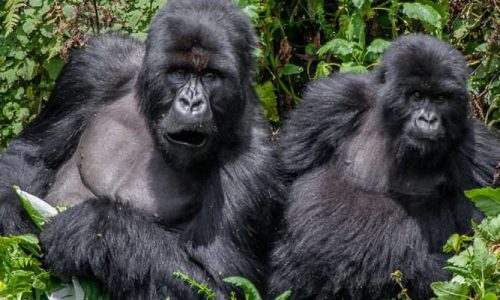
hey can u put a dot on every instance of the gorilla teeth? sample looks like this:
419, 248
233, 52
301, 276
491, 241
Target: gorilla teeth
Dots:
188, 138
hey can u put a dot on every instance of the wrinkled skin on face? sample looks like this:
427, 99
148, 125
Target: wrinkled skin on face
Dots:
423, 97
193, 83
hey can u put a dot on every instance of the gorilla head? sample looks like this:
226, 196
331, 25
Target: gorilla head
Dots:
196, 77
423, 97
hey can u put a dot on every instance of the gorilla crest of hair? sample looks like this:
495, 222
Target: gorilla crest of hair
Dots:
380, 162
161, 154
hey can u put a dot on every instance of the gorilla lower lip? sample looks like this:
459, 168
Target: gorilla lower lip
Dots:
188, 138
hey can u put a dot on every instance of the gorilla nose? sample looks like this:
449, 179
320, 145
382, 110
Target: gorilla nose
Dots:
428, 121
195, 105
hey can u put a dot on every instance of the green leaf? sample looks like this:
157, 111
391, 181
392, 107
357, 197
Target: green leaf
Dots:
351, 67
39, 211
489, 296
310, 49
450, 290
68, 10
490, 227
356, 30
285, 296
267, 97
482, 261
462, 259
338, 47
291, 69
323, 69
10, 76
486, 199
29, 25
424, 13
358, 3
455, 242
249, 289
53, 67
378, 46
134, 18
17, 127
35, 3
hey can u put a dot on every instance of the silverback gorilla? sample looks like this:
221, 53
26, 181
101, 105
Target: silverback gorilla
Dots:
381, 162
160, 152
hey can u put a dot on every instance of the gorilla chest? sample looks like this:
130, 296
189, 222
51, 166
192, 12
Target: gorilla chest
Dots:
116, 158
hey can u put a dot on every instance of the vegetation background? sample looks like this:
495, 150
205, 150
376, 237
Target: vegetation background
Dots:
301, 40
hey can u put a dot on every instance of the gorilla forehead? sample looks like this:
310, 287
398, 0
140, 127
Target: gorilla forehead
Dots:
201, 33
423, 59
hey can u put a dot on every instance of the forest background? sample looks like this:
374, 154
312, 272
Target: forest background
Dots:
301, 40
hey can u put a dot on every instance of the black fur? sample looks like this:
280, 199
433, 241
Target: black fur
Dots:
128, 250
368, 198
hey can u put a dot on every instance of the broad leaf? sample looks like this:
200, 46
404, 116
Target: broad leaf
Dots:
423, 12
291, 69
39, 210
486, 199
338, 47
378, 46
450, 290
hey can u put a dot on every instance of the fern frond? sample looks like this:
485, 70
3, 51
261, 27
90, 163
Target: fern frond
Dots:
12, 17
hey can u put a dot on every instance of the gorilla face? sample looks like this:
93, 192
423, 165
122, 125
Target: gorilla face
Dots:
423, 96
194, 77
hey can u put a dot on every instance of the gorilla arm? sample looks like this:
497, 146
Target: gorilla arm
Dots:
314, 130
33, 158
483, 153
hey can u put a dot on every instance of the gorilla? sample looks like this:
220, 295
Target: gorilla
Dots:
161, 153
379, 163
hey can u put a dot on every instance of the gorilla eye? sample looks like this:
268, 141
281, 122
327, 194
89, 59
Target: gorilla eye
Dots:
441, 98
417, 96
210, 77
179, 75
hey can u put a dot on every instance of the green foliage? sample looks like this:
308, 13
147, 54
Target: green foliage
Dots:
21, 274
301, 40
476, 264
250, 292
201, 288
38, 210
319, 37
248, 288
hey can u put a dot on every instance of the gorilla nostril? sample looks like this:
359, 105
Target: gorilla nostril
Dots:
184, 103
423, 119
197, 105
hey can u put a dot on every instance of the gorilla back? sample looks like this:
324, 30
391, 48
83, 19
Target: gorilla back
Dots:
161, 154
381, 162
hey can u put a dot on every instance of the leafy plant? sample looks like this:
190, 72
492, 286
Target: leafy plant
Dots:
249, 290
201, 288
476, 265
21, 273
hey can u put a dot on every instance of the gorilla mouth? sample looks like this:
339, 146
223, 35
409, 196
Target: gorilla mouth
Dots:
188, 138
